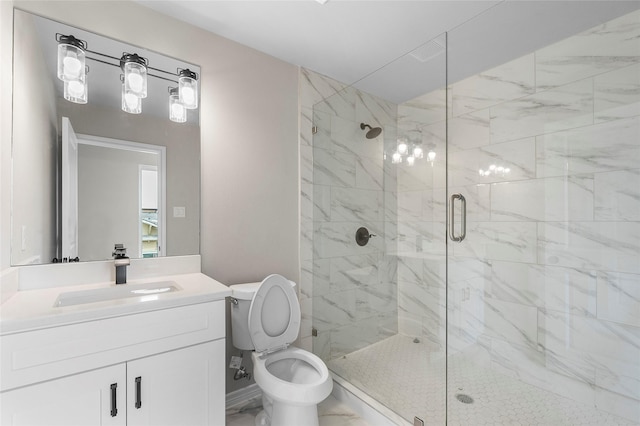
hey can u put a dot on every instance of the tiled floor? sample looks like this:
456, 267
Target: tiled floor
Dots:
331, 412
401, 374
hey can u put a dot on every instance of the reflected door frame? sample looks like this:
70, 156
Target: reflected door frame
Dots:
161, 151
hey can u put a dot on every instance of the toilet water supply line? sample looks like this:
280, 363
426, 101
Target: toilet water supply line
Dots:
236, 364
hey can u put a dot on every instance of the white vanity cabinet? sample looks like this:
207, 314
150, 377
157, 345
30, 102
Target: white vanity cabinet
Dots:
177, 387
163, 367
81, 399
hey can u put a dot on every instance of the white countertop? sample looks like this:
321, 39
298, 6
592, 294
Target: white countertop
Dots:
35, 309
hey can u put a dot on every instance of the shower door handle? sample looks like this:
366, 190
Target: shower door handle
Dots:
452, 217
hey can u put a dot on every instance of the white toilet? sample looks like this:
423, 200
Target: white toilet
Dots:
266, 319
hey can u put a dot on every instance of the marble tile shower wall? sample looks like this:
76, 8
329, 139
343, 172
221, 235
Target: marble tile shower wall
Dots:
548, 279
348, 290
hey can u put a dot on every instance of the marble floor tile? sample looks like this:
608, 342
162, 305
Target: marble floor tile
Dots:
331, 412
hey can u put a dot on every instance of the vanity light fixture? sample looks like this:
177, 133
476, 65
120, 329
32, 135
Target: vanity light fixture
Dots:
71, 58
135, 74
188, 88
177, 111
72, 53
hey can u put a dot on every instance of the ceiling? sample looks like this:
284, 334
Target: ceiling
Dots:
357, 42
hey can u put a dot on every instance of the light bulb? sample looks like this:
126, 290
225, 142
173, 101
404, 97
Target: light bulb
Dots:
177, 109
411, 160
131, 100
135, 81
481, 172
76, 88
492, 167
507, 170
431, 155
76, 91
402, 146
187, 95
72, 66
417, 152
396, 158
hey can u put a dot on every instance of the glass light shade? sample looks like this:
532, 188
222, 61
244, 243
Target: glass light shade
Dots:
71, 62
135, 74
177, 112
76, 91
411, 160
188, 89
130, 102
403, 148
396, 158
431, 155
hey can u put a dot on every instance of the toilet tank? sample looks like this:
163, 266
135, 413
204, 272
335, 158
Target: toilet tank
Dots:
243, 293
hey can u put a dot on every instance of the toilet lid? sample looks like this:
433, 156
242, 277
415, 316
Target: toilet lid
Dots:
274, 314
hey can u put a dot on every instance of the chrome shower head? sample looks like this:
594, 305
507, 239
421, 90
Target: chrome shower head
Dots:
373, 132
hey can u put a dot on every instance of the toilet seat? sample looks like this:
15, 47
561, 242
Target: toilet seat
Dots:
274, 315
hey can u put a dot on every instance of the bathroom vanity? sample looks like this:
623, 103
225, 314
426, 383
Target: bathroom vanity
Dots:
94, 355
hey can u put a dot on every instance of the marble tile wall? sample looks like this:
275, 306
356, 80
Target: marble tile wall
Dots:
348, 292
548, 278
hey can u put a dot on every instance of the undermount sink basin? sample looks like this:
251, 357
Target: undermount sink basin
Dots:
149, 291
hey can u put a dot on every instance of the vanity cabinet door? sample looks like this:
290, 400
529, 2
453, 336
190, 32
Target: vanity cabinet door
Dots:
82, 399
181, 387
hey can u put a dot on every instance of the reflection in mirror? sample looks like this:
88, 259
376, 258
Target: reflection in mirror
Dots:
123, 178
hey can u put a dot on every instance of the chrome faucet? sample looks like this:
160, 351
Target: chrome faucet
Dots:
121, 260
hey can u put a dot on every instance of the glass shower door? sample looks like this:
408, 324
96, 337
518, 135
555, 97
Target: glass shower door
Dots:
378, 310
544, 289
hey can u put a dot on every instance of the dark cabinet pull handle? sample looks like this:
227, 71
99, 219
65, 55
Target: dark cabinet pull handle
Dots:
114, 404
138, 392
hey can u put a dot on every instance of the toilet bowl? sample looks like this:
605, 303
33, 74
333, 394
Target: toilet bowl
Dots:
265, 318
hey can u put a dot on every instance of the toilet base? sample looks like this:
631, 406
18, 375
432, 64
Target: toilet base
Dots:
278, 413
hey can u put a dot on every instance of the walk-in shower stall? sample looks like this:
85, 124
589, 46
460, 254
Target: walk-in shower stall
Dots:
498, 279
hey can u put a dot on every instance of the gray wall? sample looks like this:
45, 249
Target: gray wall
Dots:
249, 153
35, 156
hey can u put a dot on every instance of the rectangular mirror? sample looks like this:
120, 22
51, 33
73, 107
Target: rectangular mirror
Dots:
86, 176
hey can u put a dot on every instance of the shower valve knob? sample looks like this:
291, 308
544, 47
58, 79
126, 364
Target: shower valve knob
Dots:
363, 236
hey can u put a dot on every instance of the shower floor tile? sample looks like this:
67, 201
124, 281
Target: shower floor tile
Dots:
410, 380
